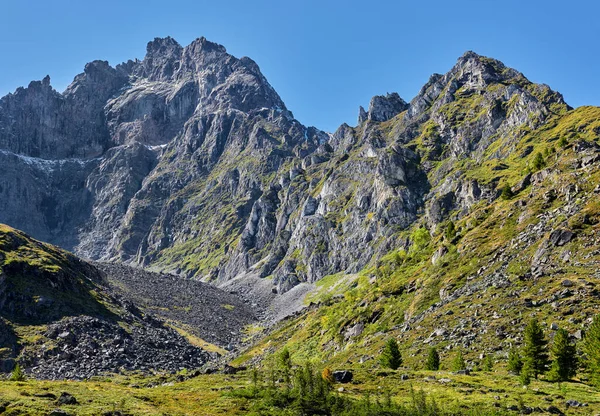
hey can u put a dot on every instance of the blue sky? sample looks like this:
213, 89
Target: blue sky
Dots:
325, 58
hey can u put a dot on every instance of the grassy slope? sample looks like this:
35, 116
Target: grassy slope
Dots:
407, 284
216, 394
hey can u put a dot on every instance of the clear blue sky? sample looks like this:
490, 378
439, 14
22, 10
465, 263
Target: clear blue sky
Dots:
325, 58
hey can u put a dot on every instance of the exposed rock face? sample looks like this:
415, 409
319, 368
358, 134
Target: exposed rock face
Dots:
191, 163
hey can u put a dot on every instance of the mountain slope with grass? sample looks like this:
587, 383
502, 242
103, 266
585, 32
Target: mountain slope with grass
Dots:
62, 317
528, 250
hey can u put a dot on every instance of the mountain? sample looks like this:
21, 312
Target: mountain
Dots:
189, 162
212, 220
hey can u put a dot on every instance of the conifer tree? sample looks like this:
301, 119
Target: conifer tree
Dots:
564, 358
507, 192
458, 363
515, 363
17, 374
450, 231
591, 349
391, 357
535, 355
433, 360
488, 363
285, 364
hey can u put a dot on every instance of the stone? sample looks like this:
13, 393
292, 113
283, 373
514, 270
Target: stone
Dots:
574, 403
342, 376
58, 412
560, 237
554, 410
66, 398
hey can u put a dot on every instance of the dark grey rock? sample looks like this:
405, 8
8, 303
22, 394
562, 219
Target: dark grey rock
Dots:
66, 398
343, 376
560, 237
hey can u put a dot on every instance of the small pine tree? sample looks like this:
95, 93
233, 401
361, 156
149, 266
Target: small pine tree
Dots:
535, 355
488, 363
17, 374
391, 357
450, 231
433, 360
285, 364
591, 349
515, 363
255, 381
507, 192
564, 359
562, 142
538, 162
458, 363
525, 376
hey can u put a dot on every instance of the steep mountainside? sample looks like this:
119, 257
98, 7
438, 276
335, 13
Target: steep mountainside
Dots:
474, 281
64, 318
189, 162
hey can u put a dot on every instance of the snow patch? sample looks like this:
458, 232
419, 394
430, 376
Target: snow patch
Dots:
46, 164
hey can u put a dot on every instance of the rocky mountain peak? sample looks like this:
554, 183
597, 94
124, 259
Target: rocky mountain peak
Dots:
163, 47
203, 45
383, 108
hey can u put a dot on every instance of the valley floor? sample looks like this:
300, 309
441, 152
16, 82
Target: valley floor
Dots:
217, 394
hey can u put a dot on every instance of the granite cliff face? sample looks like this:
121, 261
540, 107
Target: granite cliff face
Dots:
188, 161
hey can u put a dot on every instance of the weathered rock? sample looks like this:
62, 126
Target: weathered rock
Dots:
66, 398
560, 237
384, 107
343, 376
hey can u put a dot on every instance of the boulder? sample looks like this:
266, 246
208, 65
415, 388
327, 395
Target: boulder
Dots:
560, 237
343, 376
66, 398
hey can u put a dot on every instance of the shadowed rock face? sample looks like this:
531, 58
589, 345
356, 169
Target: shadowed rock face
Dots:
189, 161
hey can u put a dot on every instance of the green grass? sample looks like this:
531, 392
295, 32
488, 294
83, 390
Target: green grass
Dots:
226, 395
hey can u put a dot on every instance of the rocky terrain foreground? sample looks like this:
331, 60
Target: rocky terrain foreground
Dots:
67, 319
218, 229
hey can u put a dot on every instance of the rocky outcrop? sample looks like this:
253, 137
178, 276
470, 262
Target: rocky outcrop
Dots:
89, 320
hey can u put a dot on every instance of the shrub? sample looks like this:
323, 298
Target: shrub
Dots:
562, 142
17, 374
538, 162
450, 231
327, 375
507, 192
